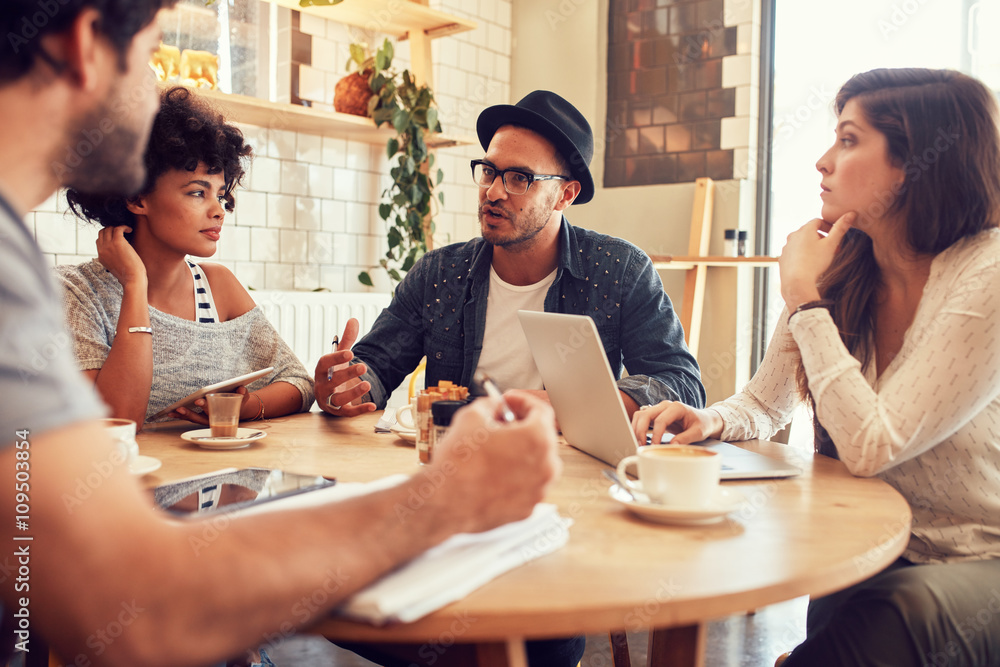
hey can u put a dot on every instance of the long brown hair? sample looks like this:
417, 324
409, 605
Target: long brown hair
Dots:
941, 128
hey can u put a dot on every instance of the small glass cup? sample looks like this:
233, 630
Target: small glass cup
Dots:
224, 414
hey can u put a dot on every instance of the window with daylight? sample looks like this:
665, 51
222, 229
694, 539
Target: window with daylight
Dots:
814, 56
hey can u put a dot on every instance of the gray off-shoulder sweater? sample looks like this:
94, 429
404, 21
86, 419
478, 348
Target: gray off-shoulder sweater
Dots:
186, 355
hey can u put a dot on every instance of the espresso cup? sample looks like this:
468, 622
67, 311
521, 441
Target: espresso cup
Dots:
224, 414
674, 475
122, 432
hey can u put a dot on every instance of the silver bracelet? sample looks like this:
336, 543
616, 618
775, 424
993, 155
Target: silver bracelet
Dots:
148, 330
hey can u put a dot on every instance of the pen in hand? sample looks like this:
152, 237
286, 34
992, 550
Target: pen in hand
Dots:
506, 414
335, 345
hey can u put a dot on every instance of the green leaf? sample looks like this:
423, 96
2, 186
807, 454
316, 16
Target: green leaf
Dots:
432, 119
391, 147
357, 53
365, 279
380, 60
441, 197
384, 211
410, 260
440, 177
394, 274
382, 116
388, 49
414, 220
400, 119
425, 97
395, 238
419, 145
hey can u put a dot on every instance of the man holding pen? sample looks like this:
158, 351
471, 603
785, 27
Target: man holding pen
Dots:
77, 99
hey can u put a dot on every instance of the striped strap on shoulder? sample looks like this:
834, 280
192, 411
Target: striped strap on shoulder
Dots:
205, 304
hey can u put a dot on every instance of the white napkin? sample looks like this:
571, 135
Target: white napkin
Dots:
386, 421
447, 572
456, 567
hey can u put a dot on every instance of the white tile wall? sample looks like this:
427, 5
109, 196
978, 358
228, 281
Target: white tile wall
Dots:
279, 276
308, 216
320, 181
735, 132
294, 177
309, 148
280, 210
308, 213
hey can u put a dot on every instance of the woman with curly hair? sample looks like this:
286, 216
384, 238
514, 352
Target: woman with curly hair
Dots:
151, 325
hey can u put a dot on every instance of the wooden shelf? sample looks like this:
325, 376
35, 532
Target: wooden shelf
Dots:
400, 18
670, 262
395, 17
279, 116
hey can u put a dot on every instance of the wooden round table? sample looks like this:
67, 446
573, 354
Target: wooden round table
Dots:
807, 535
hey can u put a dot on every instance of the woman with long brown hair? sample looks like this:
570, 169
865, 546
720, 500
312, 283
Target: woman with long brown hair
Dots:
891, 335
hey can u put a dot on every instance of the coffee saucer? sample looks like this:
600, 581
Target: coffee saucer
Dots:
407, 434
203, 438
724, 502
143, 465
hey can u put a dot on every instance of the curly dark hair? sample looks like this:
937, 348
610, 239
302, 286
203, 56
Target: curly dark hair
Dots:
186, 132
25, 22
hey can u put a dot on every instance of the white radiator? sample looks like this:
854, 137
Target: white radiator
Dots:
308, 321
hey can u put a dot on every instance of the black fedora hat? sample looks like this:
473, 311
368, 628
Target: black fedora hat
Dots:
555, 119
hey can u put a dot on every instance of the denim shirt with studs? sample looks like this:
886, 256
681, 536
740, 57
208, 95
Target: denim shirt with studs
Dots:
439, 311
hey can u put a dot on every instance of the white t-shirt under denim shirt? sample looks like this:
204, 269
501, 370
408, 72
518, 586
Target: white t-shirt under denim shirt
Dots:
506, 357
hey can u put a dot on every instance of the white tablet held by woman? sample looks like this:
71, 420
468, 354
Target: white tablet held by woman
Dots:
225, 385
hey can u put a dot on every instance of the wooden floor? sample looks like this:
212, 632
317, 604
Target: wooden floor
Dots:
739, 641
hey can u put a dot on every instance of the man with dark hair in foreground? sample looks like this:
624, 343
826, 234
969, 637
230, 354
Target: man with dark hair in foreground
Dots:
76, 103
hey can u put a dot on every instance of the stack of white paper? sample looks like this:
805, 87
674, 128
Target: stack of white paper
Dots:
447, 572
456, 567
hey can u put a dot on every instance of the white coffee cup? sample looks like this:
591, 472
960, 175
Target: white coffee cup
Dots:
675, 475
122, 432
406, 415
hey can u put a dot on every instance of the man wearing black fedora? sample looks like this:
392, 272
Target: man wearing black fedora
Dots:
458, 304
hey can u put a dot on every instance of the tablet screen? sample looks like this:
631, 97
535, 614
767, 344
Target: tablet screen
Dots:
233, 488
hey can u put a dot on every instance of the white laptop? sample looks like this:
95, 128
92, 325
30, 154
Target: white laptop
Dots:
588, 405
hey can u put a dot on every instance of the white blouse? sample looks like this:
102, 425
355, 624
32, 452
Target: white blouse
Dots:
929, 425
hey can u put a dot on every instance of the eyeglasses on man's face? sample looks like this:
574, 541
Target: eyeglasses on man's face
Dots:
515, 181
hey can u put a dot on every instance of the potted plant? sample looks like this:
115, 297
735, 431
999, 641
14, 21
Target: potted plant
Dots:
396, 99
